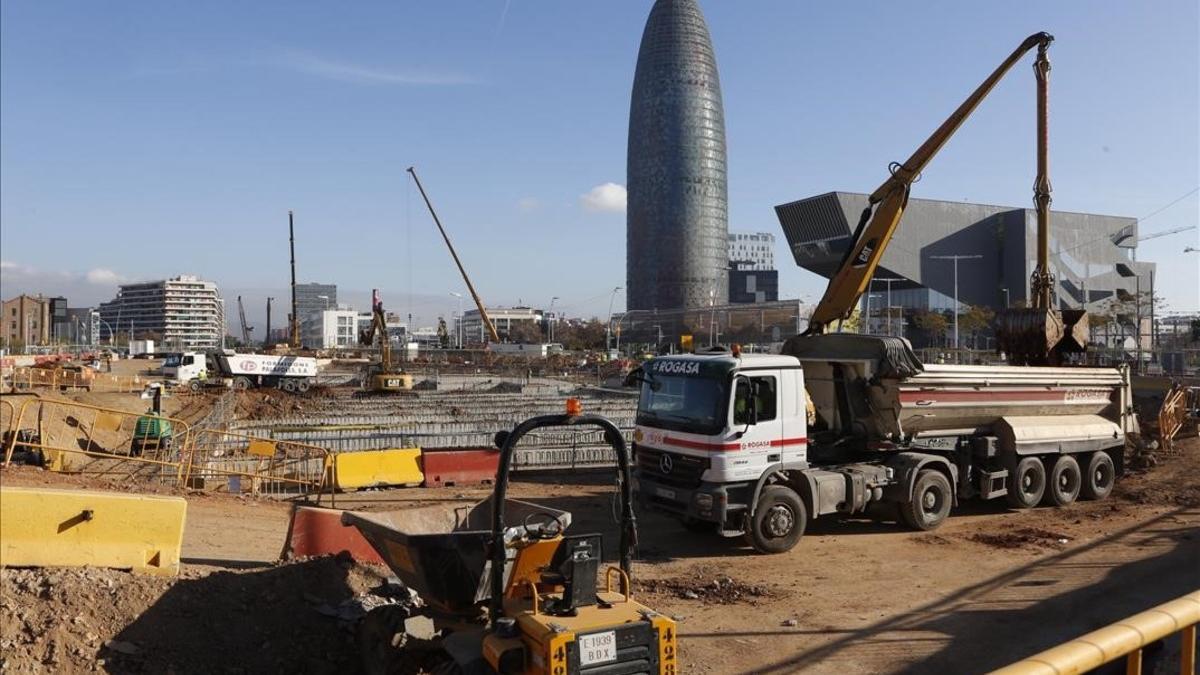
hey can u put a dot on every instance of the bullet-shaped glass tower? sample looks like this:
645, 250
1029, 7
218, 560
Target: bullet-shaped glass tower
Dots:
677, 221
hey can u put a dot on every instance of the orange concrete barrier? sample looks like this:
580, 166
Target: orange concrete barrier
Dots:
318, 531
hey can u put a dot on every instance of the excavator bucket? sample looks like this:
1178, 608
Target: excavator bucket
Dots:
1076, 331
1041, 337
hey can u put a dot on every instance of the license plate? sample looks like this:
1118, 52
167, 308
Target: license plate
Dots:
597, 648
664, 493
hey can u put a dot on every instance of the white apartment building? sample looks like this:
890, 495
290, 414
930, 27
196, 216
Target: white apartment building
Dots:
504, 318
330, 329
184, 313
754, 251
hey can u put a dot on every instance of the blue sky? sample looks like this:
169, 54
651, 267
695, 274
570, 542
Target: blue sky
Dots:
152, 139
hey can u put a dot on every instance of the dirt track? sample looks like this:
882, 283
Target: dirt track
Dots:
856, 596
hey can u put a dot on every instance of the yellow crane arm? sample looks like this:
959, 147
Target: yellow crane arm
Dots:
886, 205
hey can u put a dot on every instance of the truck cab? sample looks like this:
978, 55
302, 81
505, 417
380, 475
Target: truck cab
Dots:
185, 367
710, 427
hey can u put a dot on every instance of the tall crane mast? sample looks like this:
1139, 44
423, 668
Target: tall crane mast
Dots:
483, 315
242, 319
267, 338
294, 318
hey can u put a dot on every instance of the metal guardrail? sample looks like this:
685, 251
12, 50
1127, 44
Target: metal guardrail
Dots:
1126, 638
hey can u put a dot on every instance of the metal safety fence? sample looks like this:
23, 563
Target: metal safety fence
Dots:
125, 446
63, 379
236, 462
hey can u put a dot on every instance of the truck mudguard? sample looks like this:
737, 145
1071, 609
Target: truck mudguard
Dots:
805, 485
908, 464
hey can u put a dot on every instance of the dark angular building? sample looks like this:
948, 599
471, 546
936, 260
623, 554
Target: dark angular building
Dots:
677, 214
1091, 256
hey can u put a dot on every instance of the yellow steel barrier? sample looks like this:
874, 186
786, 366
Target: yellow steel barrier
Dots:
42, 527
1124, 638
244, 463
376, 468
68, 441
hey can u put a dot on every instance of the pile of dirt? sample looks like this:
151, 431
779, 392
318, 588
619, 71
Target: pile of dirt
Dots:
292, 617
1023, 537
270, 404
720, 590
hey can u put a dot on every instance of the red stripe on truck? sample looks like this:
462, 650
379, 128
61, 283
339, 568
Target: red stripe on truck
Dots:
726, 447
1026, 395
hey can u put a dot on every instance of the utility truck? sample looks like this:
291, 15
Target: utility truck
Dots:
240, 371
758, 445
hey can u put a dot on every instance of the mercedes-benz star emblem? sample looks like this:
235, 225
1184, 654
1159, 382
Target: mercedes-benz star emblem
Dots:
665, 463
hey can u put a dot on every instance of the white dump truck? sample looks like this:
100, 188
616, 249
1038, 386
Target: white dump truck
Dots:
758, 445
241, 371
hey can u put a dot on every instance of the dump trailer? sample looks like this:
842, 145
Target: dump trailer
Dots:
757, 445
241, 371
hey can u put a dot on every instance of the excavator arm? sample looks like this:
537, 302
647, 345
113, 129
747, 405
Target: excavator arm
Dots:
378, 329
886, 204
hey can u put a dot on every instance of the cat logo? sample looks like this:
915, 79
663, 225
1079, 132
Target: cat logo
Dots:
864, 254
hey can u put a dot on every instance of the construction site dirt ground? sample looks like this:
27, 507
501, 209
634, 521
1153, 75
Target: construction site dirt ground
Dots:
856, 596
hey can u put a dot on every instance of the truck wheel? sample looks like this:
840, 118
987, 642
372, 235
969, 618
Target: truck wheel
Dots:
930, 502
1063, 483
241, 383
301, 387
1026, 483
288, 386
779, 520
194, 386
1100, 477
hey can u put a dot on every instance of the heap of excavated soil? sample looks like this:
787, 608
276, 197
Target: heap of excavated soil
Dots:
276, 619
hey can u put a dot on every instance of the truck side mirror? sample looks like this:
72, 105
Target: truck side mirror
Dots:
634, 378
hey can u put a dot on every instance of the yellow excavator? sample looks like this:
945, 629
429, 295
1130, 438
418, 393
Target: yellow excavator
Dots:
1032, 336
384, 378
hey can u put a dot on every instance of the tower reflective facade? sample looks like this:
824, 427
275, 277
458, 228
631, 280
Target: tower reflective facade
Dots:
677, 218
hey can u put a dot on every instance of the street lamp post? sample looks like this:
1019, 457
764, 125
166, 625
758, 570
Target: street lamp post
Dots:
955, 258
889, 281
458, 332
608, 324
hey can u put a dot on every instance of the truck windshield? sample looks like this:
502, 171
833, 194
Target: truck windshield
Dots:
172, 361
681, 403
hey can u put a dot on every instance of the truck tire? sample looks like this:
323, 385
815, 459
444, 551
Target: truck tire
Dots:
1100, 476
1063, 481
779, 520
301, 386
930, 502
1026, 483
241, 383
288, 385
195, 386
